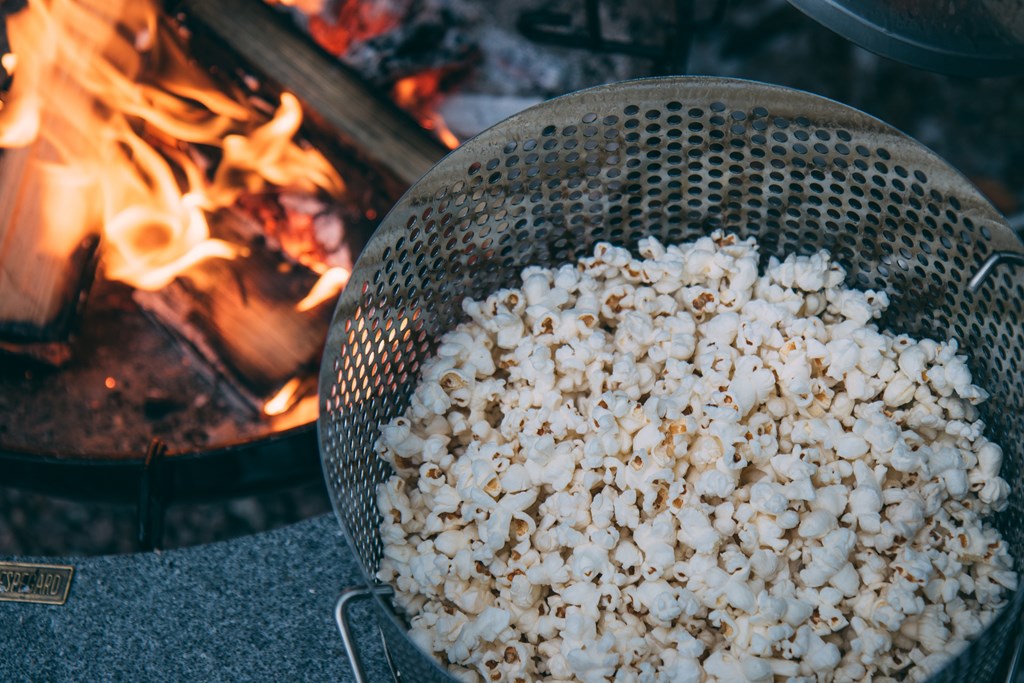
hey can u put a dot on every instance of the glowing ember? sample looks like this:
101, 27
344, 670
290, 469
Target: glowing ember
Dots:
110, 383
304, 6
337, 26
105, 89
352, 20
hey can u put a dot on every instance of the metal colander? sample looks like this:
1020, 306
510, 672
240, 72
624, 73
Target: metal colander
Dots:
674, 158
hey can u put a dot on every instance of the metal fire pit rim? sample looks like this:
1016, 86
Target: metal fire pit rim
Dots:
229, 470
137, 457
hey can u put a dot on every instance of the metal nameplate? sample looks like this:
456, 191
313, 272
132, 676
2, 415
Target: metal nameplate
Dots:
25, 582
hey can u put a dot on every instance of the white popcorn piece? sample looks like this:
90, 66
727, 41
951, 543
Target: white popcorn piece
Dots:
828, 558
748, 669
667, 467
696, 531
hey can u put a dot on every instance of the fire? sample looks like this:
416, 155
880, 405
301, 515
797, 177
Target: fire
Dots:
103, 94
352, 20
337, 26
302, 412
130, 140
9, 62
419, 95
327, 287
445, 133
269, 155
283, 399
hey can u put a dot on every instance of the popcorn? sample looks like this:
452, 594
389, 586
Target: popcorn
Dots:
668, 467
816, 524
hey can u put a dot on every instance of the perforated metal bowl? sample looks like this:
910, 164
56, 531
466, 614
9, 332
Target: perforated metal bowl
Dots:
675, 158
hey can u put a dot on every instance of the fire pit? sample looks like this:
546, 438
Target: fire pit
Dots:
211, 208
175, 228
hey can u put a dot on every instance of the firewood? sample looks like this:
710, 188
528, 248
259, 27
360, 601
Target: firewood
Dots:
50, 211
362, 116
239, 316
48, 242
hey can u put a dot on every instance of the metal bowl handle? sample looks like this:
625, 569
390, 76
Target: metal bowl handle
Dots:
348, 596
1016, 223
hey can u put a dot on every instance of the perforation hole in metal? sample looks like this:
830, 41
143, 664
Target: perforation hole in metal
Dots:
622, 162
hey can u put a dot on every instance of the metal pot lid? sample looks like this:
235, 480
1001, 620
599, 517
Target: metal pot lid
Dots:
962, 37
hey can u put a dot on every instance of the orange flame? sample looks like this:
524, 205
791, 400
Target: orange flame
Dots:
327, 287
9, 62
283, 399
96, 82
445, 133
302, 412
418, 95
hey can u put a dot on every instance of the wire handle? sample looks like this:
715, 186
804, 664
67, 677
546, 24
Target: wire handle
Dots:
348, 596
989, 265
1016, 223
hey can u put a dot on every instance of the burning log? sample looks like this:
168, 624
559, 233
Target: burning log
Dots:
241, 317
49, 215
47, 257
113, 128
364, 117
167, 149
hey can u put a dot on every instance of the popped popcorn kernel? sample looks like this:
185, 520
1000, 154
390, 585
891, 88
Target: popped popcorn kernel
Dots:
669, 467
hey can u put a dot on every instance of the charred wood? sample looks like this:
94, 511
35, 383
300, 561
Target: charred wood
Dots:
240, 318
361, 115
